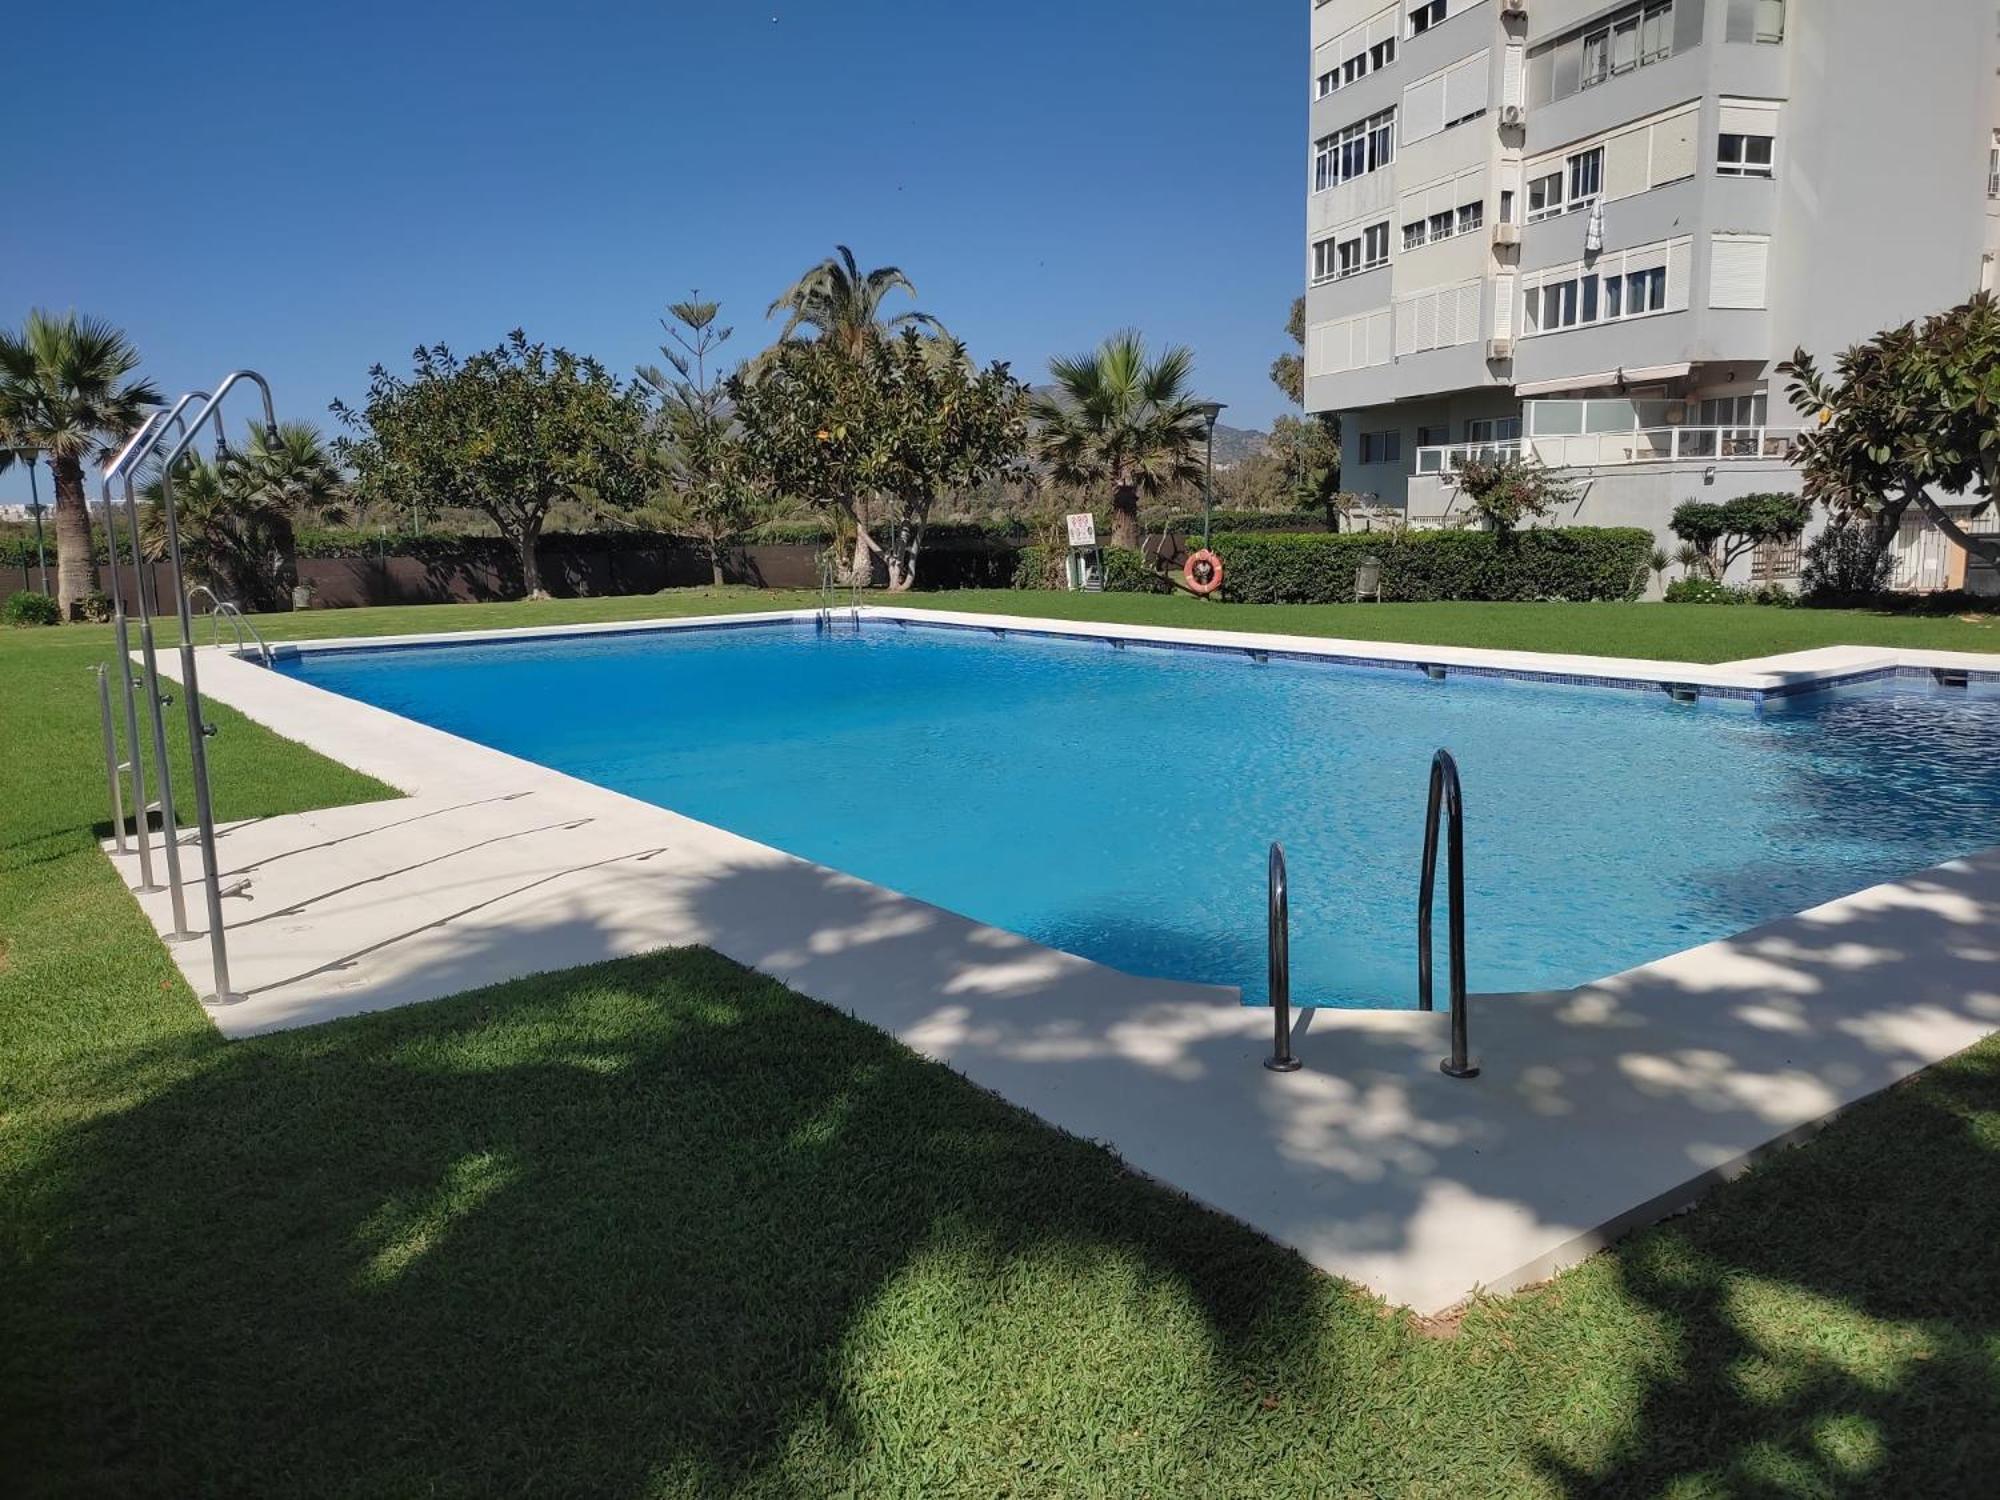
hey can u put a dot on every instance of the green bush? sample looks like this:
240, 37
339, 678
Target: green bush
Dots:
1126, 570
1574, 563
26, 608
1846, 564
94, 607
1698, 588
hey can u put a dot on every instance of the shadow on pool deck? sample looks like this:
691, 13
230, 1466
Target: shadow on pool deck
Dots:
661, 1223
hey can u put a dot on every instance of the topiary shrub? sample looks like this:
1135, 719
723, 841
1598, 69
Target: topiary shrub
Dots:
26, 608
1572, 563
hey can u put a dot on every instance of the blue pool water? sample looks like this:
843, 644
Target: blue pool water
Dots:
1119, 803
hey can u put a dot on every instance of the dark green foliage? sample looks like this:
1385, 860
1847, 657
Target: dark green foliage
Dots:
1846, 563
29, 608
1126, 570
1697, 588
1724, 532
1574, 563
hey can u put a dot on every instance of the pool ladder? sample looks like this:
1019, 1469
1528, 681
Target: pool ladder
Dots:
227, 609
1445, 810
829, 595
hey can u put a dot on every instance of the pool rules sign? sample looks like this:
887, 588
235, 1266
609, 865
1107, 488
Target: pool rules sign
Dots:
1082, 530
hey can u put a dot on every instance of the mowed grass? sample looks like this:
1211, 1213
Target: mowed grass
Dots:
663, 1227
1679, 632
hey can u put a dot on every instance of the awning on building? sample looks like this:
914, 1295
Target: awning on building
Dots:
1605, 380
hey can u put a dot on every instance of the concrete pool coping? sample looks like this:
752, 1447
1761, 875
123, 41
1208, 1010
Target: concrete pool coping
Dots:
1599, 1108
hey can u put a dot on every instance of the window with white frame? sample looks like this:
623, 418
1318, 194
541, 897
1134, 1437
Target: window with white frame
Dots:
1742, 155
1631, 39
1357, 67
1993, 167
1365, 146
1423, 17
1587, 297
1381, 447
1433, 437
1338, 256
1493, 430
1576, 184
1443, 225
1754, 21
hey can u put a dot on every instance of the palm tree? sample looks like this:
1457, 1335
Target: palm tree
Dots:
64, 389
842, 305
1116, 417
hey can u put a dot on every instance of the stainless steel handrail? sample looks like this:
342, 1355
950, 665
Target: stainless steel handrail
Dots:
1278, 949
127, 470
228, 609
135, 757
198, 731
1445, 793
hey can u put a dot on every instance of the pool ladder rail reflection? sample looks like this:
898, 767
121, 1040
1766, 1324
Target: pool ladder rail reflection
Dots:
1444, 812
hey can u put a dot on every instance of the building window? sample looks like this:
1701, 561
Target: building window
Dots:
1743, 155
1356, 67
1328, 82
1630, 38
1506, 205
1470, 217
1322, 260
1493, 430
1413, 235
1993, 167
1433, 437
1375, 246
1365, 146
1382, 53
1574, 185
1424, 17
1590, 297
1381, 447
1441, 225
1656, 33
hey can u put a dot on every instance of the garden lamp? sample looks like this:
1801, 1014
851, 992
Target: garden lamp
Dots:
1211, 410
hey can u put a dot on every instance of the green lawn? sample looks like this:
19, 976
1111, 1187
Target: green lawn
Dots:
1680, 632
663, 1227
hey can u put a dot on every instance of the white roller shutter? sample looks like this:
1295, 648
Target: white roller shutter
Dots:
1503, 306
1740, 117
1625, 164
1378, 337
1465, 87
1510, 75
1678, 254
1736, 270
1423, 109
1673, 148
1427, 321
1385, 25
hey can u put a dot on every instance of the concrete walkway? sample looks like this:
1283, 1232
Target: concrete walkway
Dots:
1597, 1109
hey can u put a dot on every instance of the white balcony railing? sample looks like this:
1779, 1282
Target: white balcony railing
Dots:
1640, 445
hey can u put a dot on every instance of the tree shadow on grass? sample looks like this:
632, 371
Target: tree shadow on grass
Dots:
660, 1225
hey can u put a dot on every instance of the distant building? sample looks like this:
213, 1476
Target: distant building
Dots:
1589, 232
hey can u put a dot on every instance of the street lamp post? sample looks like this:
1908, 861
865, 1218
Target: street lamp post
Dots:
1210, 410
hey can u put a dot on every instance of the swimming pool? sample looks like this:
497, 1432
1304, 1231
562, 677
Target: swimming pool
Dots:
1119, 803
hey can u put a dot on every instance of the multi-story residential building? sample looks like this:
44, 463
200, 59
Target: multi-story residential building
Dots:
1590, 231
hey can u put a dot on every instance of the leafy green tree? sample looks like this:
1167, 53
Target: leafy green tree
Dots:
66, 389
842, 305
1721, 533
1504, 491
1118, 418
1310, 445
698, 447
1288, 371
880, 437
509, 432
1912, 410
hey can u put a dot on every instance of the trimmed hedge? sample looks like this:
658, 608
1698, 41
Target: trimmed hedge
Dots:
1126, 571
1573, 563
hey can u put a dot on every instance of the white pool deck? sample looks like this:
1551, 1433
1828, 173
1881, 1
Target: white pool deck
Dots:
1598, 1109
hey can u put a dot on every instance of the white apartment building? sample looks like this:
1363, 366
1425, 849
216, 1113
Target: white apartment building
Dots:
1590, 231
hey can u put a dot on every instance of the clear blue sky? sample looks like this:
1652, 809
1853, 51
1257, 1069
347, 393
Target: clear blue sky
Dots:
311, 188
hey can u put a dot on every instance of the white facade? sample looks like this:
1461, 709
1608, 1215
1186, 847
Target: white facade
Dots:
1594, 229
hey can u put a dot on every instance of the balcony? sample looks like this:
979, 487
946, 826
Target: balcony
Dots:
1635, 445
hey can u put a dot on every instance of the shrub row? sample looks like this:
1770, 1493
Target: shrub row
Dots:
1575, 563
1126, 570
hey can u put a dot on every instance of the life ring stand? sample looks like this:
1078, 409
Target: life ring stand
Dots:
1202, 573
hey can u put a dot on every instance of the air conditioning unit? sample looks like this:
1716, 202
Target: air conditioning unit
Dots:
1499, 348
1512, 115
1506, 234
1514, 10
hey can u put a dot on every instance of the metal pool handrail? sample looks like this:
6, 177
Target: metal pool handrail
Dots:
1278, 942
1445, 794
227, 609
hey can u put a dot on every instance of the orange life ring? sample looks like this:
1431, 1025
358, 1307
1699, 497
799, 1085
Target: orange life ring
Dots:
1202, 572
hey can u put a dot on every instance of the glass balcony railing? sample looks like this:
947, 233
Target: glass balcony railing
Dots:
1638, 445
